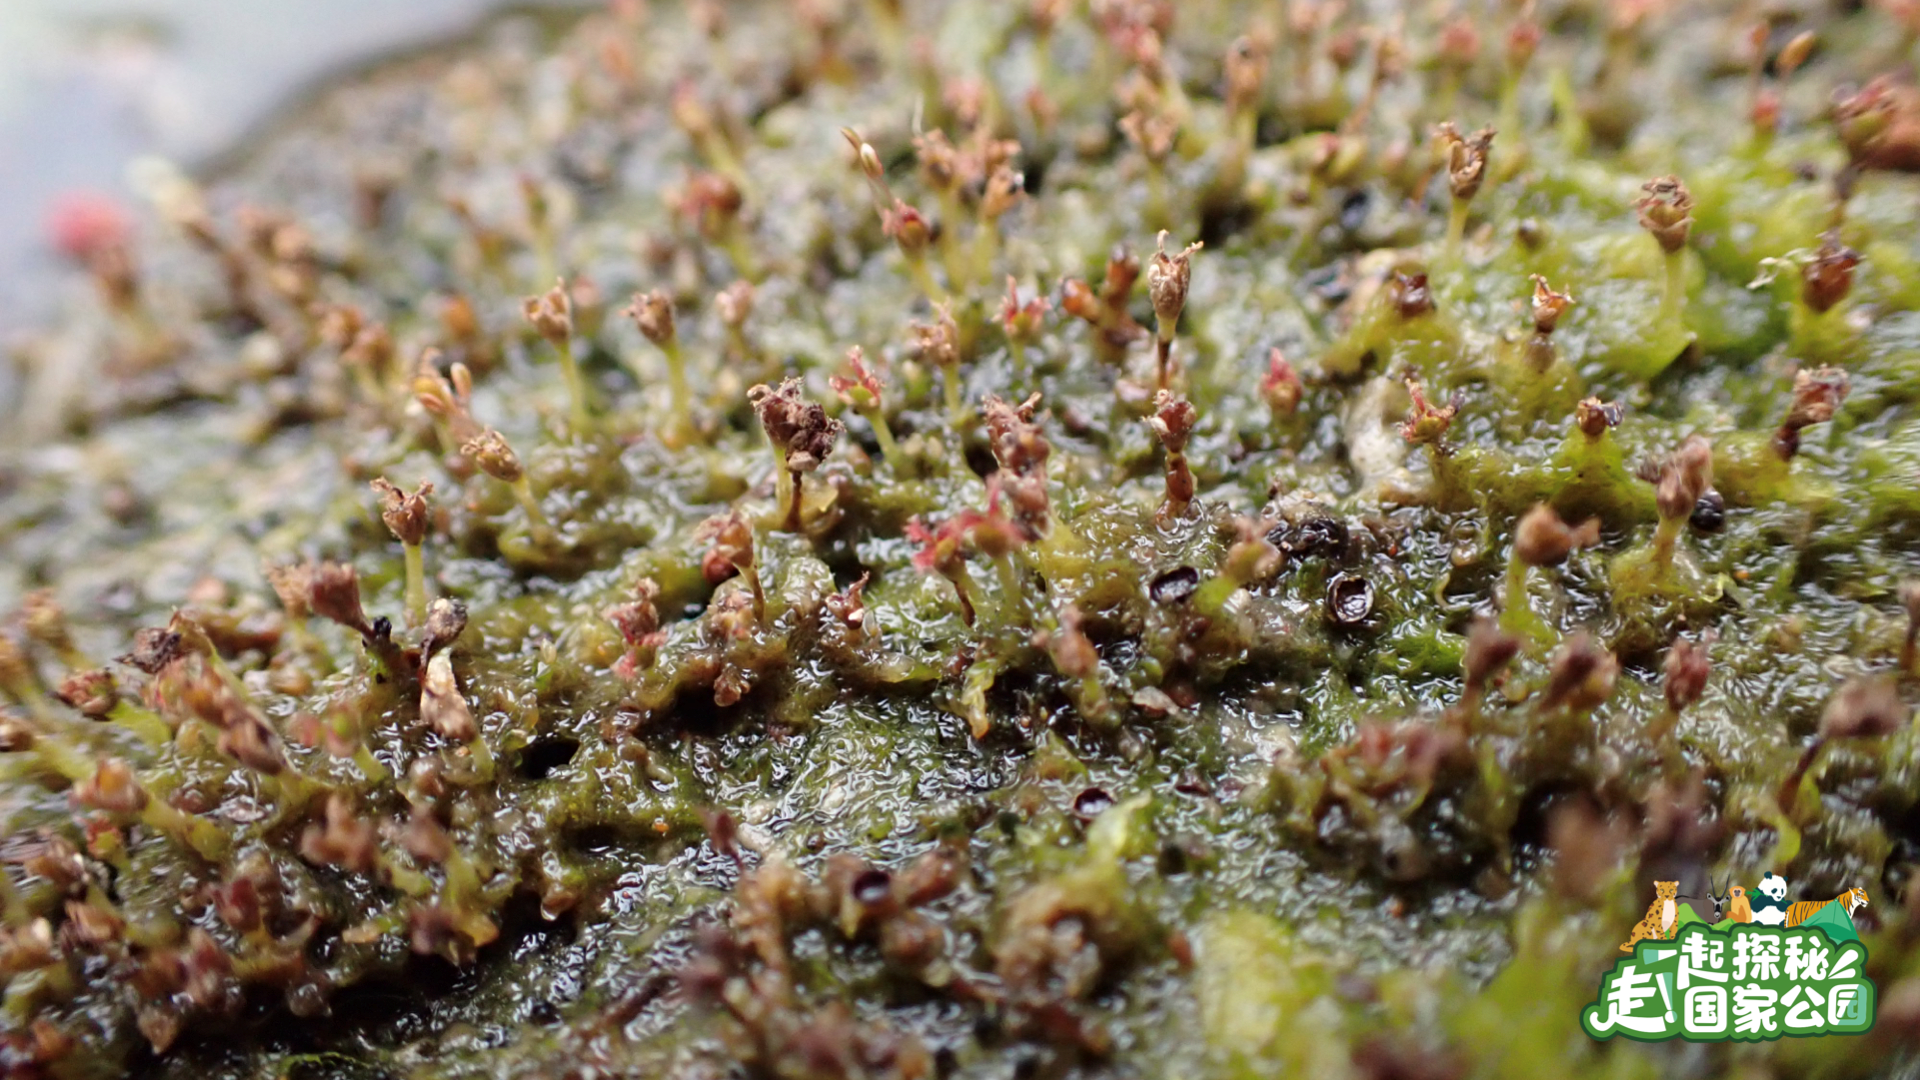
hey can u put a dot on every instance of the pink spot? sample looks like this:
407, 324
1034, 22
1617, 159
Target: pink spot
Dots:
82, 224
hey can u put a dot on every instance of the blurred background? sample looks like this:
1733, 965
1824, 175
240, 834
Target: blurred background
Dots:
87, 86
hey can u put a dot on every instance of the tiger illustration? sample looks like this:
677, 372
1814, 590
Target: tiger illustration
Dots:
1800, 912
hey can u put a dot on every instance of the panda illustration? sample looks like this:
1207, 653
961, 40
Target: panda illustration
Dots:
1770, 901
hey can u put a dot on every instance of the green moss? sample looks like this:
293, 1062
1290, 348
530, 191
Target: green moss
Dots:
1192, 808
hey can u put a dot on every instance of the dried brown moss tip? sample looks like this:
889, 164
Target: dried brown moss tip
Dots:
1246, 70
551, 314
800, 431
1021, 449
290, 582
938, 343
1172, 422
447, 398
1817, 395
1683, 477
1426, 423
907, 227
1488, 651
1022, 320
1281, 387
333, 593
425, 838
155, 647
1685, 671
111, 788
496, 458
45, 621
862, 392
442, 708
734, 303
1106, 309
638, 622
91, 692
1863, 117
446, 621
1828, 277
1168, 278
1466, 159
652, 312
1548, 305
1581, 675
407, 516
730, 536
1666, 210
801, 428
345, 839
1543, 539
1410, 294
1865, 707
1595, 417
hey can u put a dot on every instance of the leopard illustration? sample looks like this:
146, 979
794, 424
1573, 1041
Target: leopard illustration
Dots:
1661, 917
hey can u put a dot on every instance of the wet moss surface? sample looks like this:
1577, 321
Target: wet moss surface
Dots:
1291, 655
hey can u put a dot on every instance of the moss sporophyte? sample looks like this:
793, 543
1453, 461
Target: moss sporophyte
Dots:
934, 538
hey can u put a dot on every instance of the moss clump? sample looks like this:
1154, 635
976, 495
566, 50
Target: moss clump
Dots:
1081, 557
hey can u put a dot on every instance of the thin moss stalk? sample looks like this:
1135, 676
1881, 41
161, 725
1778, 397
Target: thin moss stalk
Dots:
939, 345
861, 393
1666, 536
1679, 483
1466, 171
653, 313
1013, 598
1246, 66
1456, 230
1152, 131
1523, 40
144, 723
786, 494
801, 435
490, 451
409, 517
1168, 278
551, 314
1665, 210
416, 566
1005, 188
939, 550
1673, 291
536, 520
198, 833
370, 766
1541, 539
